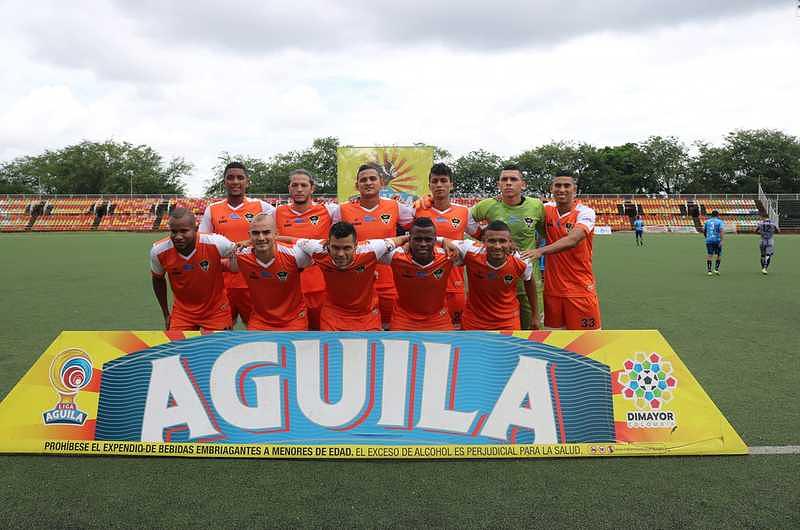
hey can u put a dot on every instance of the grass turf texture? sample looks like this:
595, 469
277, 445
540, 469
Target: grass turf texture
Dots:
736, 333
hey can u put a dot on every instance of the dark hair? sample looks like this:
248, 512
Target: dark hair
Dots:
234, 165
564, 173
441, 169
370, 165
497, 226
342, 229
511, 167
423, 222
714, 213
301, 171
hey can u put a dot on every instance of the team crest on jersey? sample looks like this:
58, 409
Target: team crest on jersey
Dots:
314, 219
508, 279
455, 221
529, 221
386, 218
438, 273
282, 275
569, 226
249, 216
204, 265
360, 268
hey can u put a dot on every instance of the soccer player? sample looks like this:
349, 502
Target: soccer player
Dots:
231, 218
638, 229
193, 263
272, 273
421, 275
570, 295
452, 221
351, 301
304, 218
524, 217
377, 218
713, 229
767, 229
493, 271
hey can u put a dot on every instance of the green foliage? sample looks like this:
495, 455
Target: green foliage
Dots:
477, 172
91, 168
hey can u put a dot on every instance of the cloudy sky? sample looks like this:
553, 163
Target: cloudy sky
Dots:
198, 77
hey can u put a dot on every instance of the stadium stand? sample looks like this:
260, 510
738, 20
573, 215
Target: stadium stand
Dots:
136, 214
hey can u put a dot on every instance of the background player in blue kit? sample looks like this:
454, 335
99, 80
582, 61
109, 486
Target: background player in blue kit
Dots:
767, 229
638, 229
713, 230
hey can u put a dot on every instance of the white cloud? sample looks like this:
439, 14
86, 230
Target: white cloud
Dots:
164, 76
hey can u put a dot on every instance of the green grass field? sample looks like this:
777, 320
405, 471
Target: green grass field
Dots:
737, 333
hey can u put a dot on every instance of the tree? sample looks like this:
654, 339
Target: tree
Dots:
668, 161
765, 155
271, 176
477, 172
618, 169
97, 168
539, 164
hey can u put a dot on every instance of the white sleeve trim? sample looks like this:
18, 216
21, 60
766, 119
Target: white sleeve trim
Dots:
405, 214
334, 212
224, 245
586, 217
302, 259
206, 226
267, 207
155, 250
310, 246
528, 274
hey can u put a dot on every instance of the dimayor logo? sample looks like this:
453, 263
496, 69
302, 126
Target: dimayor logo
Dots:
70, 371
647, 380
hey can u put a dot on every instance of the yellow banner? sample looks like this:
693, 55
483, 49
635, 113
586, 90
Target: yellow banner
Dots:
404, 172
459, 395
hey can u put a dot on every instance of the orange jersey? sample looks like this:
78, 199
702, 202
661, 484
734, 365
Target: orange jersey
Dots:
314, 223
492, 295
233, 223
196, 280
349, 291
569, 273
274, 286
451, 223
379, 222
421, 289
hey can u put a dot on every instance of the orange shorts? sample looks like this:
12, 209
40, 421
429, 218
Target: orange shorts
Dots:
332, 320
180, 321
241, 306
470, 322
572, 313
300, 323
403, 320
456, 301
314, 304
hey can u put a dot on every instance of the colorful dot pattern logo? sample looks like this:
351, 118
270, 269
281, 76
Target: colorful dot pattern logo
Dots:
647, 380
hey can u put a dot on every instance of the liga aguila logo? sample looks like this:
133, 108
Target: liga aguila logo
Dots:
70, 371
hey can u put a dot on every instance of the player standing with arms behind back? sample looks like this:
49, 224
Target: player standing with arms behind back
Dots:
231, 218
713, 229
638, 229
570, 293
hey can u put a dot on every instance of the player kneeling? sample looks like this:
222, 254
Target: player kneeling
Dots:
272, 273
421, 276
351, 302
193, 263
493, 269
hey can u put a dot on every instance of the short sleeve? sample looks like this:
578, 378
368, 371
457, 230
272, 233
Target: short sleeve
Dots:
155, 264
309, 246
586, 217
267, 208
225, 246
379, 247
472, 225
206, 226
527, 274
302, 258
333, 211
405, 214
386, 259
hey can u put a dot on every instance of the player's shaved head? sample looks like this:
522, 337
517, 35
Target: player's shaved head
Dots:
183, 214
263, 218
262, 234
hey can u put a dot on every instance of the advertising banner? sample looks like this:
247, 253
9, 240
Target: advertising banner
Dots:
404, 170
604, 230
363, 395
656, 229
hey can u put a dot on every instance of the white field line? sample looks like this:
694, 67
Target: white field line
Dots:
775, 450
